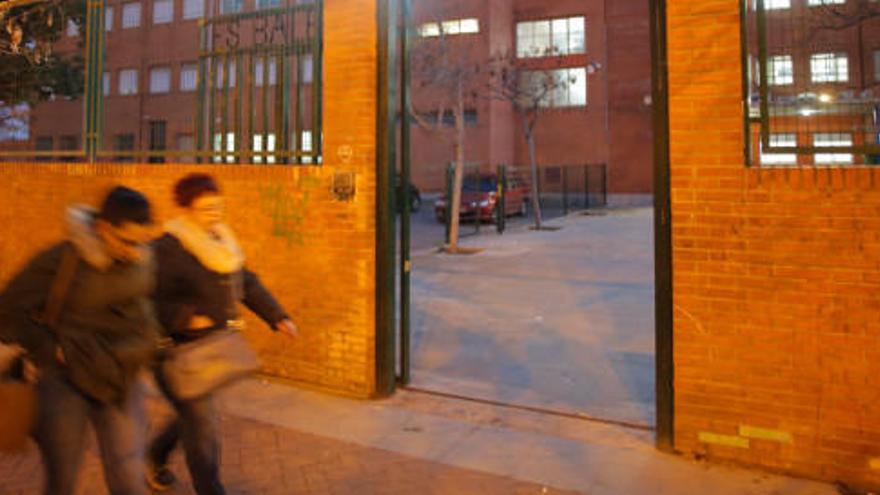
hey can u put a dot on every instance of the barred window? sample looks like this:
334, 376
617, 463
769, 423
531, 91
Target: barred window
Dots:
128, 82
810, 74
781, 70
189, 76
131, 15
829, 67
827, 140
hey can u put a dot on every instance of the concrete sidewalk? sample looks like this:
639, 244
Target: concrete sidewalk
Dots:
283, 441
561, 320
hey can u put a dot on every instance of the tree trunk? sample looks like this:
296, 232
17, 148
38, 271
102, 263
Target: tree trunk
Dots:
533, 162
454, 204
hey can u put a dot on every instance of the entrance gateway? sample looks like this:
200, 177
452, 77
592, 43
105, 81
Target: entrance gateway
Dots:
393, 357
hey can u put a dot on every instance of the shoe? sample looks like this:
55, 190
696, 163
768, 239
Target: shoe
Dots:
160, 478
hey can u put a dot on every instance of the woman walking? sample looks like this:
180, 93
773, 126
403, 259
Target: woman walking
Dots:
201, 279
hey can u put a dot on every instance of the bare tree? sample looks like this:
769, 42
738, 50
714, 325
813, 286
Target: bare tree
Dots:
529, 91
30, 70
451, 78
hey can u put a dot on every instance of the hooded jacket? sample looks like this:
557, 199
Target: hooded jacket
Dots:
204, 274
107, 329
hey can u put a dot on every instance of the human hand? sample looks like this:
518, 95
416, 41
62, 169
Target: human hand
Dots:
287, 327
8, 354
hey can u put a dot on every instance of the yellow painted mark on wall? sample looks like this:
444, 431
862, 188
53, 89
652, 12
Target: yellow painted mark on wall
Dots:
756, 433
724, 440
874, 463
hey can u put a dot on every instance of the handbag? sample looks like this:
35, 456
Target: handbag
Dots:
19, 399
195, 369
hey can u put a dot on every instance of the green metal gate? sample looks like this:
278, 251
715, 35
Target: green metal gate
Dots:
260, 85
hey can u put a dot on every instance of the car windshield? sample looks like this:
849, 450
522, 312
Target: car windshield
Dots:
487, 184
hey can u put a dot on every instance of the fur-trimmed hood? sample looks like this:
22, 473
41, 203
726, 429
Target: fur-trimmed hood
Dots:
219, 252
81, 233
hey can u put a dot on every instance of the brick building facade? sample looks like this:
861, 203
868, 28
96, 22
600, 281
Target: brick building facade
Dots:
150, 87
609, 122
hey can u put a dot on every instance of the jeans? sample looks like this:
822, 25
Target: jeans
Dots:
60, 433
196, 428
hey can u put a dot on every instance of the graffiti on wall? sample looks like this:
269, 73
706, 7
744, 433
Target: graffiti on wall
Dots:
287, 208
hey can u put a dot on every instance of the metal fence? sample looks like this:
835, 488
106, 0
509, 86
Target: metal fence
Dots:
219, 81
811, 74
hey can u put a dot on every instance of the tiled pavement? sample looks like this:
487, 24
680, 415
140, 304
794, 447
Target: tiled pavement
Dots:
261, 459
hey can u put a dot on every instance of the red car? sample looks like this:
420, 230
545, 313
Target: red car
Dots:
479, 202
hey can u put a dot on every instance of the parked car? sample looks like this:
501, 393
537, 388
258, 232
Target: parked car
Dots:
479, 201
415, 198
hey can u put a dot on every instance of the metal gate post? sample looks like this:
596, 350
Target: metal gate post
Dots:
501, 199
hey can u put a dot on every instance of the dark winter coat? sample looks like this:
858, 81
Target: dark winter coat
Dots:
186, 287
107, 329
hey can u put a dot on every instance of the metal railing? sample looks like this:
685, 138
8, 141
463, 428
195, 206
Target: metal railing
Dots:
257, 98
811, 96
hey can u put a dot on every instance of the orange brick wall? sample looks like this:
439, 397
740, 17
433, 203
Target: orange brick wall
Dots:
316, 254
776, 278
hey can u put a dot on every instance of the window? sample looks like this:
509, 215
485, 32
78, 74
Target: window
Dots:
68, 143
193, 9
108, 18
780, 70
825, 2
131, 15
45, 143
268, 4
72, 28
157, 139
307, 145
260, 70
777, 4
231, 6
185, 142
877, 65
258, 147
160, 80
780, 140
551, 37
105, 81
567, 87
163, 11
221, 70
123, 142
829, 67
230, 147
189, 77
308, 69
833, 139
451, 27
128, 82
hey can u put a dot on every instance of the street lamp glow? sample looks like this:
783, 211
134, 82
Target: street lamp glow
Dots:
826, 98
807, 112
